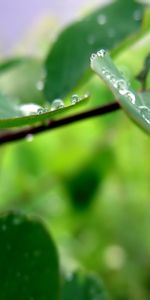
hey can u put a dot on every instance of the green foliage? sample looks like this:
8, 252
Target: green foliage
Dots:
28, 260
137, 105
81, 287
142, 76
70, 60
19, 78
88, 181
11, 63
13, 114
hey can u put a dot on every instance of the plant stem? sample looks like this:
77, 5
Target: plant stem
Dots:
11, 136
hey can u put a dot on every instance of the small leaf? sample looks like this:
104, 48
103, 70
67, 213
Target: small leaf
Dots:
142, 76
136, 105
81, 287
28, 260
68, 60
22, 78
13, 62
13, 114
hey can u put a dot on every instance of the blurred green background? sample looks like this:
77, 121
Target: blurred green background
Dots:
91, 183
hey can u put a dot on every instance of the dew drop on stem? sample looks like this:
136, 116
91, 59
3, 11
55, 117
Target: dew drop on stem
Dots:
29, 138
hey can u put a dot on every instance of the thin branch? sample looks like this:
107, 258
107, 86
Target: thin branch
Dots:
11, 136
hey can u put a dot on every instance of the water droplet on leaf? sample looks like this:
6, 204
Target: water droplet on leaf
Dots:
30, 109
145, 112
130, 96
93, 56
137, 15
107, 74
113, 80
122, 86
101, 53
74, 99
57, 104
101, 19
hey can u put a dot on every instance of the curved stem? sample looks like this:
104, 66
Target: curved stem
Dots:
11, 136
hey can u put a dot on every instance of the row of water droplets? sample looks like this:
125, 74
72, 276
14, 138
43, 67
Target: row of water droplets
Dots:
122, 86
103, 20
34, 109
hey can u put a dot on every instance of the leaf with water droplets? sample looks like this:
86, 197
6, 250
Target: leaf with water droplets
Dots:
68, 60
13, 114
136, 105
28, 260
83, 287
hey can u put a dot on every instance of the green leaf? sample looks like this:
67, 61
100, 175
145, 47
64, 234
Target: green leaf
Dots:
6, 65
28, 260
22, 78
143, 74
92, 174
107, 27
13, 114
81, 287
136, 105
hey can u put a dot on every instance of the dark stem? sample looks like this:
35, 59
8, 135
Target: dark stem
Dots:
11, 136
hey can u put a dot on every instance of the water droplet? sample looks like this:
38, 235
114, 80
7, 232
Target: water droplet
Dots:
29, 138
145, 112
40, 111
107, 74
103, 70
40, 85
74, 99
43, 110
30, 109
101, 53
86, 95
101, 19
93, 56
113, 80
57, 104
130, 96
122, 86
137, 15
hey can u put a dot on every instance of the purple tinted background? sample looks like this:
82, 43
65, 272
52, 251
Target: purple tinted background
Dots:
16, 16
